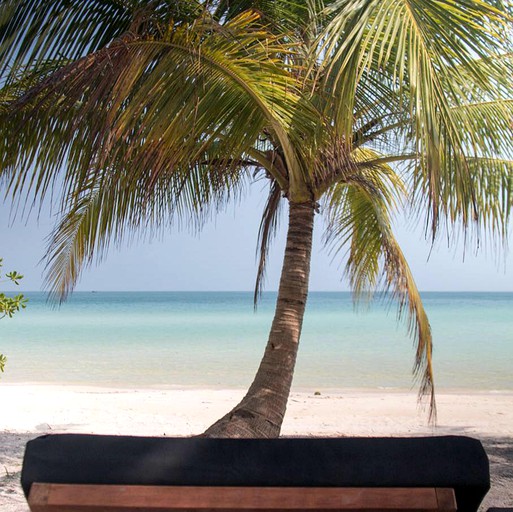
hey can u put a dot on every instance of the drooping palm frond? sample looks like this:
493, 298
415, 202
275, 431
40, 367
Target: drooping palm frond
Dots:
32, 32
149, 112
416, 46
487, 125
108, 94
25, 80
200, 88
486, 133
398, 91
268, 227
352, 204
359, 213
113, 207
493, 181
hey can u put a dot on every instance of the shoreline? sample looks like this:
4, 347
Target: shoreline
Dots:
5, 382
30, 410
28, 407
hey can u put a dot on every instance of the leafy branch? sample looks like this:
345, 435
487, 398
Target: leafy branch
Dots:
10, 305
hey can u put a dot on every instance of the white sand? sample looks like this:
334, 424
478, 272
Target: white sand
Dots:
30, 410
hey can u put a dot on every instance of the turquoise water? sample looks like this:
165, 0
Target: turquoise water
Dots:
215, 339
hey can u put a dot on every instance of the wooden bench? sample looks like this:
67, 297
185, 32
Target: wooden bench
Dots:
79, 473
122, 498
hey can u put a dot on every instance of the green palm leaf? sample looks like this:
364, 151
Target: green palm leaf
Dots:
110, 209
34, 32
416, 46
268, 228
359, 219
103, 103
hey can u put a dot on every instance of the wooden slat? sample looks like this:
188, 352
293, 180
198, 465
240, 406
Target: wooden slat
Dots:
446, 499
122, 498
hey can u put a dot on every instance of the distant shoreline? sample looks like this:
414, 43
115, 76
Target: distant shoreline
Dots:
308, 390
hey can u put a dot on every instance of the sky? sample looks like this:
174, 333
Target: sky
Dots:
222, 258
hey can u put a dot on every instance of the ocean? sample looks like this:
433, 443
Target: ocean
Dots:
216, 339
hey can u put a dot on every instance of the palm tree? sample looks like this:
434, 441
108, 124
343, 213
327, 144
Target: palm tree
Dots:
152, 112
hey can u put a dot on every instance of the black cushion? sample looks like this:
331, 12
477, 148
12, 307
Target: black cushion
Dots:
450, 461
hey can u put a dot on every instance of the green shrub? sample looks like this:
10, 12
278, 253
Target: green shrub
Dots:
10, 305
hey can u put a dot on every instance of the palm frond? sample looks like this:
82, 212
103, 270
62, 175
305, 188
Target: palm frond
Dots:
267, 231
157, 103
180, 114
493, 183
33, 31
415, 47
359, 213
114, 207
486, 126
281, 13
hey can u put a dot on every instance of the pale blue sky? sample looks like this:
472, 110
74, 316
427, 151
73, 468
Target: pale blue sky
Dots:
222, 257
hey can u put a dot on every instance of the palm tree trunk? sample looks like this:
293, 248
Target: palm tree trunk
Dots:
261, 411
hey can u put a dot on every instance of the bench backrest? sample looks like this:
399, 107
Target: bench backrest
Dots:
453, 462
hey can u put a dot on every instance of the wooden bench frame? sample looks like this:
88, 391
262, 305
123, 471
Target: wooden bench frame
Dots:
130, 498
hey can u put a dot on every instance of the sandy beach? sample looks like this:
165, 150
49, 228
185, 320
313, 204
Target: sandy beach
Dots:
29, 410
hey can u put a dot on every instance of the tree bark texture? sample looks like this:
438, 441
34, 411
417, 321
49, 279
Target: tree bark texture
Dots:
261, 411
